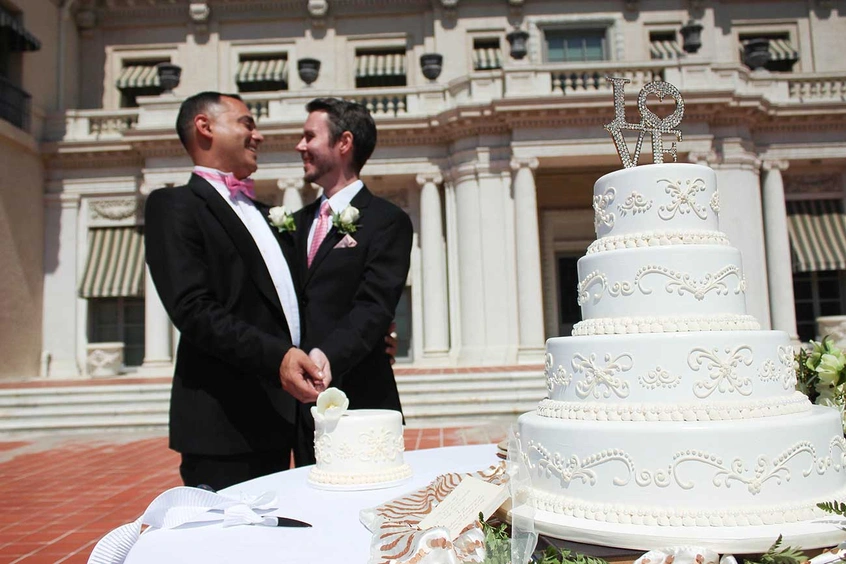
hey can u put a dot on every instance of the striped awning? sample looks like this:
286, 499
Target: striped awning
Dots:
487, 58
817, 235
115, 266
138, 76
20, 38
262, 70
380, 64
665, 49
781, 49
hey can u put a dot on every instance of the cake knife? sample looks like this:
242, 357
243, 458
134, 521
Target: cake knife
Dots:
284, 521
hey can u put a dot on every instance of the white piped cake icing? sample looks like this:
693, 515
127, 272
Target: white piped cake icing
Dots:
669, 407
362, 447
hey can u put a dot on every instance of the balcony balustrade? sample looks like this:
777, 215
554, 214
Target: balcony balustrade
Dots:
15, 105
572, 81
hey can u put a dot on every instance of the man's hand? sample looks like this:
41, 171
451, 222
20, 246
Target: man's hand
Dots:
391, 342
319, 358
300, 376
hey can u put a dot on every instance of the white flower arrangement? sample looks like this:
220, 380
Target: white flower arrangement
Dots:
345, 221
821, 375
332, 403
281, 219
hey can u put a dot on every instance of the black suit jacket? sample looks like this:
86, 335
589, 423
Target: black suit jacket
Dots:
213, 282
349, 297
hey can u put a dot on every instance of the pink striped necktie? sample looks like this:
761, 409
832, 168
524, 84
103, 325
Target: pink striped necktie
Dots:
320, 229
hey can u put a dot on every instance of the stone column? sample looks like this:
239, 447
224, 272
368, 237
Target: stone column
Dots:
433, 250
61, 284
157, 332
741, 218
471, 288
779, 272
529, 294
292, 196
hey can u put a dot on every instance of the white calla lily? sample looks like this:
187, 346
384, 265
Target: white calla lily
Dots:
332, 403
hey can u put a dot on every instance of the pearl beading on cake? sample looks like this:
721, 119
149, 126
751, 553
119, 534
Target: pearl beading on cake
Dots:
713, 411
335, 478
658, 239
729, 517
665, 324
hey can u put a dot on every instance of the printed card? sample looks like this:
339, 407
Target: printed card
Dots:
463, 505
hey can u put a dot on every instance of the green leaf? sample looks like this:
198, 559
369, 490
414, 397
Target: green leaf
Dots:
837, 507
775, 555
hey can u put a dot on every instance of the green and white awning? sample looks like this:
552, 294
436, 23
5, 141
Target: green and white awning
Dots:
262, 70
380, 64
817, 235
115, 265
138, 76
485, 58
19, 38
665, 49
781, 49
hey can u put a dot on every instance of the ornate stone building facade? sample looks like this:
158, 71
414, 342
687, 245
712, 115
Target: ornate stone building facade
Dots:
492, 147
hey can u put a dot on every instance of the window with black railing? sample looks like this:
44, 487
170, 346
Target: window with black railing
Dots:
14, 104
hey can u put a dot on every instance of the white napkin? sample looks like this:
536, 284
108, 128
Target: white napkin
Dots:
178, 506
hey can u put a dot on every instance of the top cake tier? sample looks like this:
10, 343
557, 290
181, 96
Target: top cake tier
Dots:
677, 198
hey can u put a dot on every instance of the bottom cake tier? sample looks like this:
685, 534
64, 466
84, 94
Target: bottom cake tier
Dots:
685, 474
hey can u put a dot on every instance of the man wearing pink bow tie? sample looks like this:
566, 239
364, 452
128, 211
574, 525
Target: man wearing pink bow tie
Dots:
222, 274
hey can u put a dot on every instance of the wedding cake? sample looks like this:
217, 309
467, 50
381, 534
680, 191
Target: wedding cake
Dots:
356, 449
670, 416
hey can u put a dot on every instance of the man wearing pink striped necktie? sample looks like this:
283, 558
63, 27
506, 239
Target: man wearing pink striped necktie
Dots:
354, 252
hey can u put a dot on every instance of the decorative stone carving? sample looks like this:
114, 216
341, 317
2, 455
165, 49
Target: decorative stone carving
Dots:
771, 164
104, 360
113, 210
199, 12
86, 19
812, 184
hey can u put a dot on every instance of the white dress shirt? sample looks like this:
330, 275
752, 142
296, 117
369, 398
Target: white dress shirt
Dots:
338, 203
269, 248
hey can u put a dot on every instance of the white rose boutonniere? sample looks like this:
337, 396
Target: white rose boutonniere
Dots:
332, 403
281, 219
345, 221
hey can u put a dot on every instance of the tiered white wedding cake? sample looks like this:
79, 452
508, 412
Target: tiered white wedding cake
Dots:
670, 416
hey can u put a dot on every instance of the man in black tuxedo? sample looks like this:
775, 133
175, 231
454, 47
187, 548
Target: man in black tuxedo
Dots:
222, 275
353, 250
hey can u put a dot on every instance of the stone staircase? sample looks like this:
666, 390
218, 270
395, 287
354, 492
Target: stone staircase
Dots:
461, 398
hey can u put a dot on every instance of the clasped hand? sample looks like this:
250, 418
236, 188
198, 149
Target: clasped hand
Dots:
303, 375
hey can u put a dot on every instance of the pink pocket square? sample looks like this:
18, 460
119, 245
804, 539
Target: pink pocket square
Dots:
346, 243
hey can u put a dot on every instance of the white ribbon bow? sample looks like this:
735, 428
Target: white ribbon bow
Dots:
178, 506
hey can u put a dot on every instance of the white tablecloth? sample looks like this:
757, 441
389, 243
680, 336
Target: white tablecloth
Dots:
337, 536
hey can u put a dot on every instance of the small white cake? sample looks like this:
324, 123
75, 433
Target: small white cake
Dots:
358, 448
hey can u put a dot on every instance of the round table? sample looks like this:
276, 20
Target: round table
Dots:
337, 536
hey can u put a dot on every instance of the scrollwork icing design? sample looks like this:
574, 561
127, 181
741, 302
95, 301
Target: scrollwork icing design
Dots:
636, 203
604, 377
600, 207
783, 372
683, 198
837, 462
593, 278
715, 201
683, 282
764, 471
722, 374
569, 468
553, 377
380, 445
659, 378
572, 467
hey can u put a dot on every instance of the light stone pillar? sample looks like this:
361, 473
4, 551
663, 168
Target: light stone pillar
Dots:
433, 250
61, 283
741, 218
292, 196
471, 272
779, 272
157, 332
529, 293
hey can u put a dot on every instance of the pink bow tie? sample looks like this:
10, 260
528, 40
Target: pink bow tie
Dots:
232, 184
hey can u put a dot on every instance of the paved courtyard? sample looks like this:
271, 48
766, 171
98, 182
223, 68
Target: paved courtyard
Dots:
60, 495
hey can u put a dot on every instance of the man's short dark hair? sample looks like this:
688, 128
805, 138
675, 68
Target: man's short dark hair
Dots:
192, 107
348, 116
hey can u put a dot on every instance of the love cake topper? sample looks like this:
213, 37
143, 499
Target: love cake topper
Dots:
649, 122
